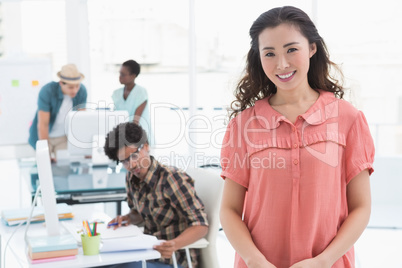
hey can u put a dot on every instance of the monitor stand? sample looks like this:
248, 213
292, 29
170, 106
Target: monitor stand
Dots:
47, 187
98, 153
53, 239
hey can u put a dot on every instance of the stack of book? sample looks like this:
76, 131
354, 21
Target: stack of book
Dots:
13, 217
52, 248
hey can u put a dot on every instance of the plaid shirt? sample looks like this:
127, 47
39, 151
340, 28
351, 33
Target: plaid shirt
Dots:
167, 202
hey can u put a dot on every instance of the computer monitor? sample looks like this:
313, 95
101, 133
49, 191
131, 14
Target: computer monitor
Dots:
87, 131
47, 188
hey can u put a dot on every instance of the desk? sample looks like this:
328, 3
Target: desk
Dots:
77, 183
17, 248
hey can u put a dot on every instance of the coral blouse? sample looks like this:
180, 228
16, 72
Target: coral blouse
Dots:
296, 175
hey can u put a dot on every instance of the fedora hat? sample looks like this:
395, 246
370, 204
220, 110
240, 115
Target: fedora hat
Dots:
70, 74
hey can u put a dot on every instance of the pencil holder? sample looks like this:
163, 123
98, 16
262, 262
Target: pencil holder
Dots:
90, 244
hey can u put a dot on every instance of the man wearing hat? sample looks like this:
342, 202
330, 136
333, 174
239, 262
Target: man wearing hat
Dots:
55, 100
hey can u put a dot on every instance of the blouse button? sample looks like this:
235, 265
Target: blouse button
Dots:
295, 161
294, 129
295, 145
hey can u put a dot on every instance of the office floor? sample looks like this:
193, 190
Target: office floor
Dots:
376, 248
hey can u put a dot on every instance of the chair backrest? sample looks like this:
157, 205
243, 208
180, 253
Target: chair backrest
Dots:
386, 199
209, 186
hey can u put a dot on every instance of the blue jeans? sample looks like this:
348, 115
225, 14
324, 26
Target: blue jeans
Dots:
139, 265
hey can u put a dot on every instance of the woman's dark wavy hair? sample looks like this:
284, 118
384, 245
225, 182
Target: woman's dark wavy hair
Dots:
255, 85
124, 134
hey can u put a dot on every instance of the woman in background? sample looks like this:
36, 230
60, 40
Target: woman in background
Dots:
133, 97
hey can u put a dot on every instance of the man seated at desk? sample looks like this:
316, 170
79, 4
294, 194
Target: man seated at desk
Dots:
160, 197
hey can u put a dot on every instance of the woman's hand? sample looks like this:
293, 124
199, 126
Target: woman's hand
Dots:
310, 263
260, 263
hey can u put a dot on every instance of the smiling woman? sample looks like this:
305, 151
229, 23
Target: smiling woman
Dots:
290, 107
285, 55
285, 58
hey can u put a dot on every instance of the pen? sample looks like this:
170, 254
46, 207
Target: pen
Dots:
115, 223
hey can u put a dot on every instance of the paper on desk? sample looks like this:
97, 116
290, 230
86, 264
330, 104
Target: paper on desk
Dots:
121, 232
138, 242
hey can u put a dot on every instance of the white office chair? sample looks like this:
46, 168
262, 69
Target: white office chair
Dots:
209, 187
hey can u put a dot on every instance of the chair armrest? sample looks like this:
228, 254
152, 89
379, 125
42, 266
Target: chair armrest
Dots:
202, 243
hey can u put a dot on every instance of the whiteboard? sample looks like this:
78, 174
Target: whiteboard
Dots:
20, 82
